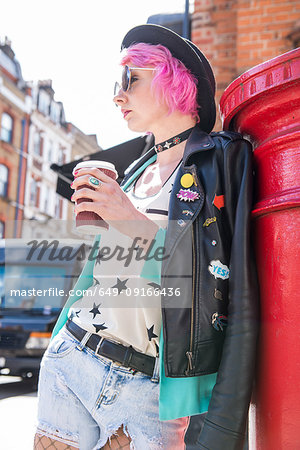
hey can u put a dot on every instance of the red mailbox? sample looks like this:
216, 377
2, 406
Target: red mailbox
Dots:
264, 105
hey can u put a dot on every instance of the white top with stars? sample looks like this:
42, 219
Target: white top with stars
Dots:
121, 305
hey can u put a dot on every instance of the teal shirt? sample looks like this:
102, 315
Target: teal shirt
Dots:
182, 397
179, 397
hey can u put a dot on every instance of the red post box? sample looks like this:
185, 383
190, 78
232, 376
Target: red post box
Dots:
264, 105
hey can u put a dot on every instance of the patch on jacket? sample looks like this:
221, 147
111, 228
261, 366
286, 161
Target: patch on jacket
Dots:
218, 270
187, 195
209, 221
219, 201
219, 321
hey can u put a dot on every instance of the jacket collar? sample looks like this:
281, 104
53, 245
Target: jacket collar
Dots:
182, 214
197, 141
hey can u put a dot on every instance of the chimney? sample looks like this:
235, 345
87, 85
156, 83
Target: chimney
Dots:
46, 85
6, 48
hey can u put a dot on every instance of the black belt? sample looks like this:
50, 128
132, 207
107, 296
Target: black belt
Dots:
126, 356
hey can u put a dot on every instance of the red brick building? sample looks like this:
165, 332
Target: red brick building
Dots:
236, 35
15, 107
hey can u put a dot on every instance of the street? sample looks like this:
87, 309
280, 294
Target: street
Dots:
18, 405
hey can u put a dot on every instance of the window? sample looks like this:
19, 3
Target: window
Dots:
58, 207
6, 127
8, 64
60, 157
44, 102
56, 212
1, 229
37, 144
47, 196
33, 192
50, 151
3, 180
55, 112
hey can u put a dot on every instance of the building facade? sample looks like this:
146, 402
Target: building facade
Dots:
50, 141
15, 107
236, 35
34, 134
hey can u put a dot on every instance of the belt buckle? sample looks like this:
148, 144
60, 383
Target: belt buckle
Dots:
99, 345
127, 357
155, 374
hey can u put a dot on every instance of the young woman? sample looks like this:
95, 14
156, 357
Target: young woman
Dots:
183, 342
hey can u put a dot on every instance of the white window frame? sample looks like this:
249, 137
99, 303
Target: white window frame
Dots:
4, 174
7, 128
44, 102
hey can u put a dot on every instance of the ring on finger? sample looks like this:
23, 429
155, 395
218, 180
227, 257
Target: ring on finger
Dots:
94, 182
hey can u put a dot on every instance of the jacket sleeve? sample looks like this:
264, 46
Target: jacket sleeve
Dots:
225, 422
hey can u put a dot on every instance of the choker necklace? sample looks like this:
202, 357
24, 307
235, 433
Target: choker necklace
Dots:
172, 141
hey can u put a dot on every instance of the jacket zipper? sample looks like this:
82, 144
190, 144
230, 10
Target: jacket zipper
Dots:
189, 353
190, 362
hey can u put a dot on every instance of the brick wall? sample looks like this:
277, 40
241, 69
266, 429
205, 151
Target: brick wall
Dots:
9, 156
236, 35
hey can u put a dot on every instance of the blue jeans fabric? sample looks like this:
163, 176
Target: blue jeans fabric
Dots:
85, 398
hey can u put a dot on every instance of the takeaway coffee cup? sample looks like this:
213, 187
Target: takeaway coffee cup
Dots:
87, 221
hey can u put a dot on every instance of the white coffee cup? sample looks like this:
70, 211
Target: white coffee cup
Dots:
88, 221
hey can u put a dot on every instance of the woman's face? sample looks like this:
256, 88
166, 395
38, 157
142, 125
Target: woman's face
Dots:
139, 107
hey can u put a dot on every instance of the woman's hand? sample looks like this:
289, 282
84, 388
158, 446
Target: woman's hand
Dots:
112, 204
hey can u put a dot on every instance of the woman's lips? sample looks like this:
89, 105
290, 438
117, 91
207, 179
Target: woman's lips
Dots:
125, 112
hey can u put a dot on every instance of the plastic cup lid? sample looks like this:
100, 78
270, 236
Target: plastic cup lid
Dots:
94, 163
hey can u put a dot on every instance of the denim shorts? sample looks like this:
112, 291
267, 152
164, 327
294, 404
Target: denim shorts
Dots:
84, 398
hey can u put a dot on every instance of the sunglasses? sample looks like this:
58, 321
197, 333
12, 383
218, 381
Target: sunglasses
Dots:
126, 78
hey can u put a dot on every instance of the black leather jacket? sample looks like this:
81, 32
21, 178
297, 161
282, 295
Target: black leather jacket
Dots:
212, 325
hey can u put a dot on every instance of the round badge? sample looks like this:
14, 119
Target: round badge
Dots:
187, 180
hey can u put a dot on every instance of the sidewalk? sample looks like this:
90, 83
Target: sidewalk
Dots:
17, 418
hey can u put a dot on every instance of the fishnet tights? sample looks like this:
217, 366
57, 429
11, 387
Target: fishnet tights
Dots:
44, 442
117, 441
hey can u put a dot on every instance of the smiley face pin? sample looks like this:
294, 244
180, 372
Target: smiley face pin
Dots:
187, 180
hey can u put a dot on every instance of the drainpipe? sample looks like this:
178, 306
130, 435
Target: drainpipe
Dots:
185, 28
20, 180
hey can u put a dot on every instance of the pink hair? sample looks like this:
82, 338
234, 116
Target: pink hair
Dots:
172, 80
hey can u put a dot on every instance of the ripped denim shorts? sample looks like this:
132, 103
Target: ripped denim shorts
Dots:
84, 398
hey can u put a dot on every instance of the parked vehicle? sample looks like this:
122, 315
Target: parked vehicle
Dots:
35, 280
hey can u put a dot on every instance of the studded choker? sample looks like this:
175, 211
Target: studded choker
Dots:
173, 141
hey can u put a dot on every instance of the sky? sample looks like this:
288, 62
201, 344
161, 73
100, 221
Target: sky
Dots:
76, 43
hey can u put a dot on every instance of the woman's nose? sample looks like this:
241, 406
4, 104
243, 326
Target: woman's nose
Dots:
119, 96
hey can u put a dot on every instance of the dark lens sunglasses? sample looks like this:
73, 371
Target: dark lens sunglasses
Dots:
126, 78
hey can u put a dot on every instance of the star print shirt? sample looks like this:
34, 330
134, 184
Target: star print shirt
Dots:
121, 305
